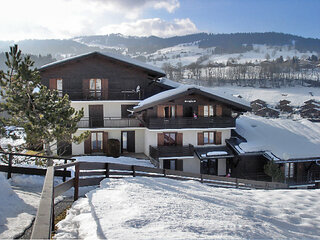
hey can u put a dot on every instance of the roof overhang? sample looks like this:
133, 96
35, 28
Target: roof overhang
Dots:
118, 58
213, 152
193, 90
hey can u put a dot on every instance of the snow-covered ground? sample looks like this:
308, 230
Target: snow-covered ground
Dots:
285, 138
159, 208
190, 53
297, 95
19, 200
20, 196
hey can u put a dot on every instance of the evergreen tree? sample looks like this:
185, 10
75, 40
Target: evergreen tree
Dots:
44, 116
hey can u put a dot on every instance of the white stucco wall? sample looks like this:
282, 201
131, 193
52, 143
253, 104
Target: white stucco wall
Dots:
110, 108
191, 165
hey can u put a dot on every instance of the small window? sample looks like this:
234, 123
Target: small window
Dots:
169, 111
170, 139
96, 141
95, 87
59, 87
208, 111
208, 137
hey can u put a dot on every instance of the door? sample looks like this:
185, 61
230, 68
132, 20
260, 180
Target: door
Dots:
128, 141
95, 116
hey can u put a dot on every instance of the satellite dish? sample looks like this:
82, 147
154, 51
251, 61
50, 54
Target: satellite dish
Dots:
138, 89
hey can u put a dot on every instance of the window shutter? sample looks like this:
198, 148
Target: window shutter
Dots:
53, 83
217, 138
85, 88
160, 111
179, 111
179, 165
219, 110
179, 139
200, 110
87, 145
105, 88
105, 142
160, 139
200, 138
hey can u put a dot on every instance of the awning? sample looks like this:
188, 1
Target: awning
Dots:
204, 153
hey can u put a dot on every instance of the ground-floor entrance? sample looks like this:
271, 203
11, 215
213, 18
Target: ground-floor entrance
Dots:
214, 167
127, 141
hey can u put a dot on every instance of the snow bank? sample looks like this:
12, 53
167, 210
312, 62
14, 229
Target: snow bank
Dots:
120, 160
159, 208
285, 138
15, 214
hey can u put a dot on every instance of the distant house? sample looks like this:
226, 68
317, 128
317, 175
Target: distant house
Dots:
284, 106
257, 105
311, 110
268, 112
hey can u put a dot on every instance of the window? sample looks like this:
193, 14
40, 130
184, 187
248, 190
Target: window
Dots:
208, 111
95, 87
96, 141
170, 139
169, 111
208, 137
289, 170
59, 87
212, 138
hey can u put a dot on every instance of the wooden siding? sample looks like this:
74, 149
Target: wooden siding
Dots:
121, 77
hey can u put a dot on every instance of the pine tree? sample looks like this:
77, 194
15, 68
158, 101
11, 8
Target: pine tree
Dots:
45, 117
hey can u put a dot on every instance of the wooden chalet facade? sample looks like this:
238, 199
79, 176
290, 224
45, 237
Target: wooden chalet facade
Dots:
178, 127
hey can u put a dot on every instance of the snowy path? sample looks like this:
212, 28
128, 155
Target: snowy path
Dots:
149, 208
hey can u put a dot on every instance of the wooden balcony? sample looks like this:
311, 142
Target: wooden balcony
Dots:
190, 122
89, 95
108, 122
157, 152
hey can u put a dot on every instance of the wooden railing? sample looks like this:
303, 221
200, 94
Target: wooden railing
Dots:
190, 122
92, 173
10, 168
157, 152
108, 122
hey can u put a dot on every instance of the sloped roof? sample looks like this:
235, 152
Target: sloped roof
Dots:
183, 90
108, 55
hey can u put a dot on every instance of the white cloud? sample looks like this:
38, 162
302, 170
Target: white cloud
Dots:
153, 26
39, 19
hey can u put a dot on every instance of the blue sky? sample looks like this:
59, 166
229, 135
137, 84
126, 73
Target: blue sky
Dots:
70, 18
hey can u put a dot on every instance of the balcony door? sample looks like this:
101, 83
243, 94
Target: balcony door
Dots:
127, 141
96, 116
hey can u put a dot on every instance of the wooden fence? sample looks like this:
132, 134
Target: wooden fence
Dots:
92, 173
9, 169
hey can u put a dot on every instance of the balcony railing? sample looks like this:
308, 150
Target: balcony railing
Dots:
108, 122
190, 122
157, 152
103, 94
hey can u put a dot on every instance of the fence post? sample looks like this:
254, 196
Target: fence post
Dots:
237, 183
107, 170
76, 182
10, 166
201, 178
64, 172
164, 172
133, 171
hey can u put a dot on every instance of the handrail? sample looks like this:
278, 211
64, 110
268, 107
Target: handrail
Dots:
44, 219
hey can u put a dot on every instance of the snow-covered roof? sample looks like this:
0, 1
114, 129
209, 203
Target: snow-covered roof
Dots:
108, 55
169, 82
210, 92
284, 138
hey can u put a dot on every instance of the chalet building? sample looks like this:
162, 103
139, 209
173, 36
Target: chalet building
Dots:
284, 106
268, 112
181, 127
257, 105
178, 127
311, 110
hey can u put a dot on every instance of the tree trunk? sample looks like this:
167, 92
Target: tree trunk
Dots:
48, 152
